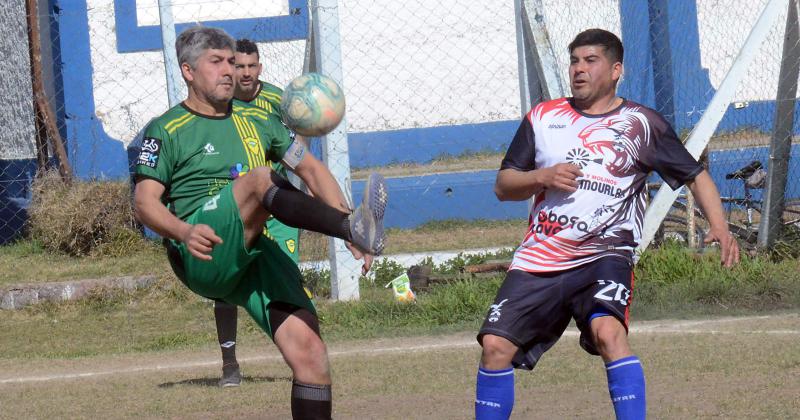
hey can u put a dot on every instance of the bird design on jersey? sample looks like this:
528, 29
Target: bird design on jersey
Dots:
618, 139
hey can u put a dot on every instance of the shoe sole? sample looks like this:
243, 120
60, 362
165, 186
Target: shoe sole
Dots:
375, 198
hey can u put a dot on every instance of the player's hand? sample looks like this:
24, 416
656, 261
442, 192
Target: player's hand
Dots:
728, 247
562, 177
359, 255
200, 240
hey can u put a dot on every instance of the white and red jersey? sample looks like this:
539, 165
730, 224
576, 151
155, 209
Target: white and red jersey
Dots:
615, 151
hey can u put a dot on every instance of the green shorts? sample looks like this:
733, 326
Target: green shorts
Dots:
251, 278
287, 238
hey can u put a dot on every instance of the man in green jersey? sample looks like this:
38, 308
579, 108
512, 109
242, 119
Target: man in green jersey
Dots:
248, 88
203, 184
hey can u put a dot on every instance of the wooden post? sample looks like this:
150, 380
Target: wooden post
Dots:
44, 114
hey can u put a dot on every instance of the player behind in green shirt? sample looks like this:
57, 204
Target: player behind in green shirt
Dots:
203, 184
250, 89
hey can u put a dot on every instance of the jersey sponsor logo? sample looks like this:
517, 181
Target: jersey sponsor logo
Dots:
494, 311
551, 223
580, 158
209, 149
239, 170
600, 187
148, 156
291, 245
613, 292
556, 126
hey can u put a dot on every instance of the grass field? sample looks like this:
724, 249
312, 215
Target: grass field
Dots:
718, 368
28, 262
152, 353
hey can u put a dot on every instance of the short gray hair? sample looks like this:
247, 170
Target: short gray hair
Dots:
192, 42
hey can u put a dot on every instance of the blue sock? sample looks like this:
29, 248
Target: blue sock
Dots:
494, 394
626, 386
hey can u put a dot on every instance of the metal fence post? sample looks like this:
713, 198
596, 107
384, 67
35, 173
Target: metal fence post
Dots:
171, 65
345, 270
780, 145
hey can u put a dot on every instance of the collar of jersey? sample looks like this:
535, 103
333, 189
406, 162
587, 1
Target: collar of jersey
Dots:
210, 117
616, 109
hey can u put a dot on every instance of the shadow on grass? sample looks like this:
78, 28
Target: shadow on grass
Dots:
214, 382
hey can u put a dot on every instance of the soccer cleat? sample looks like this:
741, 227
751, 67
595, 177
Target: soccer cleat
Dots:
366, 222
230, 375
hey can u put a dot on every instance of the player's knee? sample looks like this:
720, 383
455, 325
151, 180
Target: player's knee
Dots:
497, 352
312, 362
610, 338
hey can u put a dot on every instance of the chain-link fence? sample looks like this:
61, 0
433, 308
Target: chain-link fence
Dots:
432, 87
17, 137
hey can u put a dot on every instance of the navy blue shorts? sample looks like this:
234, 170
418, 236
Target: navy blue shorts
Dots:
532, 310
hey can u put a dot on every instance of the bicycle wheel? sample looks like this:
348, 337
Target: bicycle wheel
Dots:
675, 229
791, 213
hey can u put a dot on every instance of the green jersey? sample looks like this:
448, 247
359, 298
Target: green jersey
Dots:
269, 99
194, 156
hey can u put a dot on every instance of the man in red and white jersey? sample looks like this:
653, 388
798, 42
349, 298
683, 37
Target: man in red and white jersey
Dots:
586, 160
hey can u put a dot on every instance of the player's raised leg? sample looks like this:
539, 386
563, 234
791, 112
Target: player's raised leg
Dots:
261, 193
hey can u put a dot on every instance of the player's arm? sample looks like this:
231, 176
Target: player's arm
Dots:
151, 212
516, 185
320, 182
317, 177
707, 196
667, 156
520, 179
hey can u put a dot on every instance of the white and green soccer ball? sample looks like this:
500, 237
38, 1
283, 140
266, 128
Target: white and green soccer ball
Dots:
312, 105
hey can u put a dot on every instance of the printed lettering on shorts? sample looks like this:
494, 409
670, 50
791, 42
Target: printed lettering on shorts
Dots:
148, 156
612, 291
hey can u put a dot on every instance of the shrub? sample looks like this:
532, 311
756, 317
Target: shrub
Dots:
83, 218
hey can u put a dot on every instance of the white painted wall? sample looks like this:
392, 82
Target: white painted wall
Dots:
409, 64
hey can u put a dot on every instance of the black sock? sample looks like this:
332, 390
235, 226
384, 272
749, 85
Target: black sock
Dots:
225, 316
310, 401
302, 211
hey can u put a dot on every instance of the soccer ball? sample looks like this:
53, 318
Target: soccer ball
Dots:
312, 105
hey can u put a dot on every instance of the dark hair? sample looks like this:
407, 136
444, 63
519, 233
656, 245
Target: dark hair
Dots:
246, 46
192, 42
612, 44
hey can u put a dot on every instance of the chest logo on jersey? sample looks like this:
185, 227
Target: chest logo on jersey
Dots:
617, 140
580, 158
290, 245
209, 149
239, 170
252, 144
148, 156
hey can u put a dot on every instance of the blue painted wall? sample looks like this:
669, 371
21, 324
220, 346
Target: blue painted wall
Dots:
671, 46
